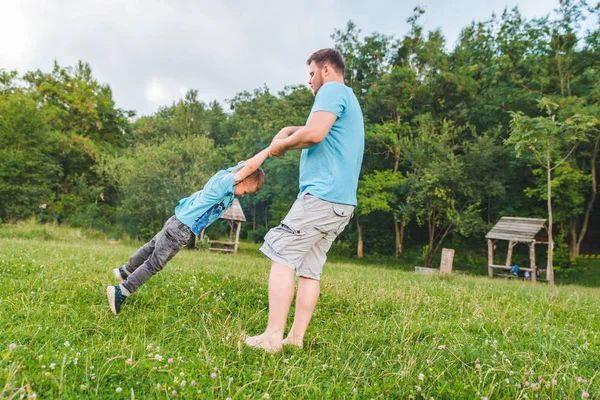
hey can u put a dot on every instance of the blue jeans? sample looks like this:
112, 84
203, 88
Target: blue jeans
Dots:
154, 255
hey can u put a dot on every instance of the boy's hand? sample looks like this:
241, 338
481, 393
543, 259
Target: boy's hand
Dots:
277, 148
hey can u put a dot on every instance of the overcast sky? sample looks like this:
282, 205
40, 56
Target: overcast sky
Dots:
152, 51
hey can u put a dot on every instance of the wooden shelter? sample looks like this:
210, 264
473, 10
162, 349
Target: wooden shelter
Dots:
530, 231
233, 215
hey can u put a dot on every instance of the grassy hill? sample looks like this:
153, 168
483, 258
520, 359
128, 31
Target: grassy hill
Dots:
378, 332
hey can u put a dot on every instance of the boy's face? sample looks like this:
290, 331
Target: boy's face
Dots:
245, 187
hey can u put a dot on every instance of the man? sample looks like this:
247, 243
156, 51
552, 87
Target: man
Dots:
332, 144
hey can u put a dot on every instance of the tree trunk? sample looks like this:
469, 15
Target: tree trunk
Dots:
429, 255
399, 231
549, 269
399, 236
573, 248
360, 244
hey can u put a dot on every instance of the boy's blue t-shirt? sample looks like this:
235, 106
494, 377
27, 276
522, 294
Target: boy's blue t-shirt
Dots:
206, 206
330, 169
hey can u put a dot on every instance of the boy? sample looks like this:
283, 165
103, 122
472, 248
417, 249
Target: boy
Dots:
192, 215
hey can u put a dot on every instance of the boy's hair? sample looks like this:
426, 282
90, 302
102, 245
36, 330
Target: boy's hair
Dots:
330, 56
258, 178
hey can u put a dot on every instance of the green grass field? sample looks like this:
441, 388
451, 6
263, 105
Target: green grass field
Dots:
378, 332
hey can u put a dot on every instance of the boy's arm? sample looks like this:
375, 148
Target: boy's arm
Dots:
307, 136
252, 165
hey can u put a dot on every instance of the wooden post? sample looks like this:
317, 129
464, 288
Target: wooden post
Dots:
446, 264
237, 237
490, 257
532, 262
511, 244
202, 235
230, 223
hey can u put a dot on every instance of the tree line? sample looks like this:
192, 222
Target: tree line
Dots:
451, 141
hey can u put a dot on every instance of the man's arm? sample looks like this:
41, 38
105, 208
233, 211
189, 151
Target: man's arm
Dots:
316, 131
252, 164
287, 131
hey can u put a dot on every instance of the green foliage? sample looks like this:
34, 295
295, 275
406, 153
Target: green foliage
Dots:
153, 178
27, 169
435, 120
570, 185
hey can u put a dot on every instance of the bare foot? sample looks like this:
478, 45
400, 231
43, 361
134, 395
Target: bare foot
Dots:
289, 341
268, 344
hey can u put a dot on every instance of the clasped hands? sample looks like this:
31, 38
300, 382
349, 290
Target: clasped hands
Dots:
277, 146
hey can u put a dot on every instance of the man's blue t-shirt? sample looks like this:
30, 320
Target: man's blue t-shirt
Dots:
206, 206
330, 169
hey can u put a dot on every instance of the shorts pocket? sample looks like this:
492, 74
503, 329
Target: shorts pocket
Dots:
336, 221
344, 214
280, 237
343, 211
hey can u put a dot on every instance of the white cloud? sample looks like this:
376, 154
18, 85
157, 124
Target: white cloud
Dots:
155, 92
152, 51
17, 46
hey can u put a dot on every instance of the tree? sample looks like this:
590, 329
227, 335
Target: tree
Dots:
376, 192
85, 123
366, 60
439, 189
27, 167
154, 178
387, 139
551, 142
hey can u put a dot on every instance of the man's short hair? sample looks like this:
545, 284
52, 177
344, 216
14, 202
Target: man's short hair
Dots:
328, 56
258, 178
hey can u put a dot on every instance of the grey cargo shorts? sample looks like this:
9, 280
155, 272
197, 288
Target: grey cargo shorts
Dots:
304, 237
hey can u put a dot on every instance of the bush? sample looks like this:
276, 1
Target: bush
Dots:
258, 235
203, 244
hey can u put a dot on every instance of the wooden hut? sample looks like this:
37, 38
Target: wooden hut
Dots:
530, 231
234, 216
